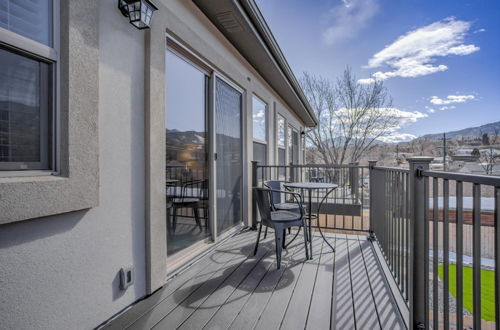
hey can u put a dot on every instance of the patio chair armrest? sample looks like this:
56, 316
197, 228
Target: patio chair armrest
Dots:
296, 196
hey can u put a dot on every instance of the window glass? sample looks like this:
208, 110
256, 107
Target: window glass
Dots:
281, 131
23, 112
186, 97
260, 153
259, 119
281, 162
29, 18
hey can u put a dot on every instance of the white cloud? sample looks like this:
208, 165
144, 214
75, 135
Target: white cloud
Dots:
415, 53
451, 99
447, 107
405, 118
430, 110
397, 137
348, 18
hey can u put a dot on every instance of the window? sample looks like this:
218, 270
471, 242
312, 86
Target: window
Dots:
259, 114
280, 143
30, 18
293, 145
27, 85
280, 131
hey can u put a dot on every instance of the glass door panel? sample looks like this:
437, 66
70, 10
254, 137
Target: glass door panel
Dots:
229, 163
186, 153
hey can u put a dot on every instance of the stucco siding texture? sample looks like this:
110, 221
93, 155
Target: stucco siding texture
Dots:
61, 272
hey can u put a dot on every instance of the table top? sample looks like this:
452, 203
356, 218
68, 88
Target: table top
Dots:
311, 185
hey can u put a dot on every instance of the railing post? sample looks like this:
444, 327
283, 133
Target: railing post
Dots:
255, 183
292, 173
372, 214
418, 295
354, 179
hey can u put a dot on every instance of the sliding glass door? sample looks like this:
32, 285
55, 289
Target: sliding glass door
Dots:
229, 160
187, 178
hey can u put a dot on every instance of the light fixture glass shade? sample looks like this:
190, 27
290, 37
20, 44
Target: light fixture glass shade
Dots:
139, 12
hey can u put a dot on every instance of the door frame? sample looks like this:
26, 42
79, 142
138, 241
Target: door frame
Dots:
213, 151
179, 48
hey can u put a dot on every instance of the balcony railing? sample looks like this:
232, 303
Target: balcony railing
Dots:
437, 232
346, 208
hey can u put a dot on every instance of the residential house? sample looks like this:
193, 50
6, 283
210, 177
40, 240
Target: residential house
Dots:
96, 115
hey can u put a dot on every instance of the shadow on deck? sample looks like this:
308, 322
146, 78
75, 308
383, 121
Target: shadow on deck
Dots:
232, 289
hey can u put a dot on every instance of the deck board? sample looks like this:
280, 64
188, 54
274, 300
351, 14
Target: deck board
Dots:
364, 307
387, 310
297, 311
321, 302
342, 309
229, 288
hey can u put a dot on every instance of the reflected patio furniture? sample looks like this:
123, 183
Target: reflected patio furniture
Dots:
279, 220
191, 196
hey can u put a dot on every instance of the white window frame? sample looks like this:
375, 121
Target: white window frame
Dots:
266, 117
24, 46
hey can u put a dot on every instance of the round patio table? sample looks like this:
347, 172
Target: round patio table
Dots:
310, 186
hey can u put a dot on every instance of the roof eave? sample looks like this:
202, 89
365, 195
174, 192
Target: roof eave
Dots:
256, 43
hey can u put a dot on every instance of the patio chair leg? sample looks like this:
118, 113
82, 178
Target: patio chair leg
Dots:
197, 216
278, 232
174, 220
258, 238
305, 240
265, 233
284, 239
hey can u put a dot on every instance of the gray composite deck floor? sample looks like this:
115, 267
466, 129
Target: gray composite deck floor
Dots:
230, 288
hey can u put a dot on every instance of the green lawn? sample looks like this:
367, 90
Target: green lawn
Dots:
487, 290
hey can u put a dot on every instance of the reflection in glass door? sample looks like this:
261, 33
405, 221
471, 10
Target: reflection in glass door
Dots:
229, 163
186, 153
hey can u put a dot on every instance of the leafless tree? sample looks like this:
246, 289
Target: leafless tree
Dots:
352, 116
490, 156
419, 145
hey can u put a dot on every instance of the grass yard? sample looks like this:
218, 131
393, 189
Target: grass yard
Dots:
487, 290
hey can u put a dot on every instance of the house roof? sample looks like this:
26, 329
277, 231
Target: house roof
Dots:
243, 25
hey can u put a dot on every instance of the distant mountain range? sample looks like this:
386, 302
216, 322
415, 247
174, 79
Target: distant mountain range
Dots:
470, 131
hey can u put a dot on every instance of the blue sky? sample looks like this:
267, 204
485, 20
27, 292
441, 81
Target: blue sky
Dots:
440, 60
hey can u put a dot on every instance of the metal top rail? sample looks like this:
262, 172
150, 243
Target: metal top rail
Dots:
395, 169
472, 178
315, 166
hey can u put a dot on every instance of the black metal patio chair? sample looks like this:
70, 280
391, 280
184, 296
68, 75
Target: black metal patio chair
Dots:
279, 220
192, 196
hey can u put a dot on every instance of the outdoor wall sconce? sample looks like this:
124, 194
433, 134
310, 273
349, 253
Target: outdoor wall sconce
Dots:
139, 12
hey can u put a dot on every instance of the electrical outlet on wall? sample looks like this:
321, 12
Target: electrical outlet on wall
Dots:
127, 277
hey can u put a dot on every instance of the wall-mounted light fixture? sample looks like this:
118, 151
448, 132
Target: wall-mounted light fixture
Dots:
139, 12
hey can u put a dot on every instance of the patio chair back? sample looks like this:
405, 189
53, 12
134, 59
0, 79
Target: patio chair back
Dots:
262, 196
275, 185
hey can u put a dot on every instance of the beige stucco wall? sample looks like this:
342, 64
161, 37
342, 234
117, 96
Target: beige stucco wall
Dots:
61, 272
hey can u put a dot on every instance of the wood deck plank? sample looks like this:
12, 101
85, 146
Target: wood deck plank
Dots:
296, 313
321, 303
211, 305
219, 260
257, 304
272, 315
342, 308
389, 316
182, 279
364, 307
230, 289
184, 309
223, 318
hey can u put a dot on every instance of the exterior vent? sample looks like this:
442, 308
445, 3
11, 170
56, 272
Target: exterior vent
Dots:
229, 22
